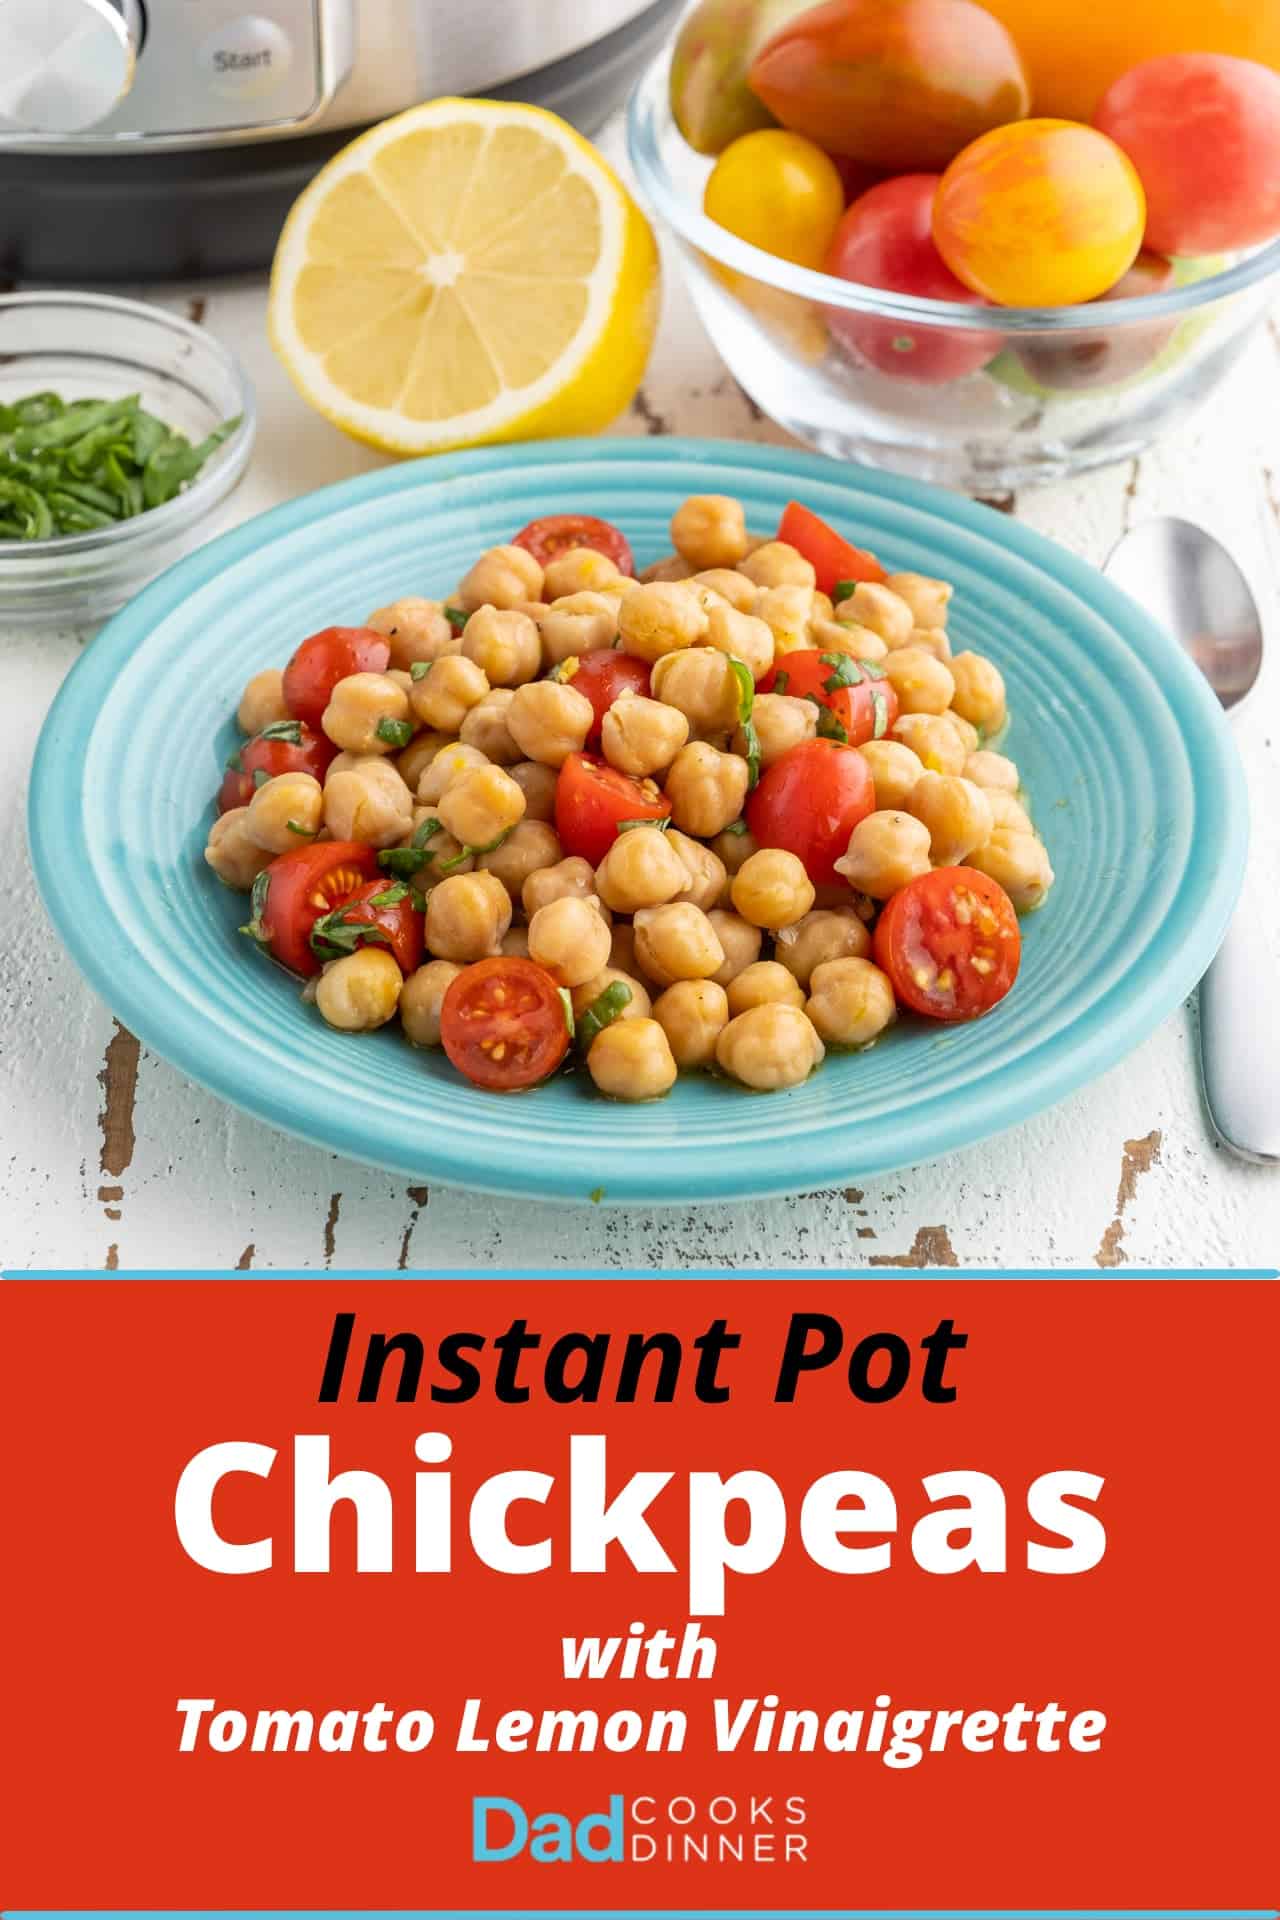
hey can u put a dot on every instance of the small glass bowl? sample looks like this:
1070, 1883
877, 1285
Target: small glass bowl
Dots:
84, 345
1018, 395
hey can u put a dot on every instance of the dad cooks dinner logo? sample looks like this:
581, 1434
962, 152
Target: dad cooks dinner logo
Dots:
759, 1828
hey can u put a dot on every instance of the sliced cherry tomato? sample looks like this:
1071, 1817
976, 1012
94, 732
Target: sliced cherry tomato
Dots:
300, 887
503, 1023
325, 658
809, 801
379, 913
858, 703
602, 675
949, 943
831, 556
557, 533
593, 798
287, 746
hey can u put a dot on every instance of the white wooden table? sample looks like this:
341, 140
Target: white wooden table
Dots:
109, 1158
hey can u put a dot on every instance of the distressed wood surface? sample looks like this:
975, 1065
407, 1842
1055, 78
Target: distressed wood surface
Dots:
110, 1159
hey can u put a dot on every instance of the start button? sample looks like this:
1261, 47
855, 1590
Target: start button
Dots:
247, 58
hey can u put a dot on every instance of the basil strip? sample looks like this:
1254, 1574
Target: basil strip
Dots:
470, 853
746, 702
566, 1001
457, 617
843, 590
662, 823
290, 730
404, 862
847, 672
880, 707
396, 733
256, 927
604, 1009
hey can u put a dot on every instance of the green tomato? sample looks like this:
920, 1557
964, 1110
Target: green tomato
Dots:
710, 99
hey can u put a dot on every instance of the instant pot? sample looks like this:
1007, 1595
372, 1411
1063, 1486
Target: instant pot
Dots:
142, 139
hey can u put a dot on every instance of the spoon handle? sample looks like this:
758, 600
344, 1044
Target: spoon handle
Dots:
1240, 1039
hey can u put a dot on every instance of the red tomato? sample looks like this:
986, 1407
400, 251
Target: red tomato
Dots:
1203, 130
886, 240
855, 692
897, 84
503, 1023
295, 891
854, 177
809, 801
1084, 359
287, 746
325, 658
602, 675
832, 558
950, 944
379, 913
557, 533
592, 798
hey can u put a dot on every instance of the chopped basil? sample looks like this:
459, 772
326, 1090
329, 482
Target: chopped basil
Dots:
335, 935
290, 730
390, 896
396, 733
457, 617
260, 778
829, 725
419, 669
405, 861
872, 669
846, 671
234, 763
470, 853
418, 900
880, 708
625, 826
256, 927
303, 833
781, 681
604, 1009
843, 590
736, 826
746, 702
566, 1001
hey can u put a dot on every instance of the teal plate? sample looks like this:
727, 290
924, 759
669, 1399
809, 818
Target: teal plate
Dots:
1134, 781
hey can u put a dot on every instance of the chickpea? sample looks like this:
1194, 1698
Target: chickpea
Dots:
515, 942
669, 569
449, 764
710, 530
481, 805
631, 1060
980, 695
781, 722
401, 679
693, 1014
570, 940
886, 850
922, 684
486, 729
622, 948
418, 755
640, 870
706, 789
928, 599
967, 732
549, 720
579, 570
441, 853
505, 643
637, 1007
568, 879
933, 740
993, 771
850, 1002
416, 630
846, 636
286, 811
662, 618
445, 695
642, 736
502, 577
769, 1046
739, 632
932, 640
1007, 814
1019, 863
368, 802
740, 942
772, 889
824, 608
676, 942
361, 991
262, 702
706, 871
367, 713
467, 915
580, 623
764, 983
235, 857
828, 933
734, 847
957, 814
894, 770
421, 998
538, 785
878, 607
701, 684
776, 564
786, 611
730, 585
530, 847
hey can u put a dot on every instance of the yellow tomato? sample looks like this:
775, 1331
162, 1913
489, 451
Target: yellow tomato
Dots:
1044, 213
779, 192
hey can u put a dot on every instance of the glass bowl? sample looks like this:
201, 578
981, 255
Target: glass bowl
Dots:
81, 345
1025, 395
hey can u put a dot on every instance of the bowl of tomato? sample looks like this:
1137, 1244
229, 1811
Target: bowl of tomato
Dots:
970, 288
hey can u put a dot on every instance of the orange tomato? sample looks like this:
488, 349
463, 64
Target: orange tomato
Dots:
1045, 213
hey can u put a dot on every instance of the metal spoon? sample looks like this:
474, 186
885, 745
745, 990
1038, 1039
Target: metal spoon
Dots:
1187, 580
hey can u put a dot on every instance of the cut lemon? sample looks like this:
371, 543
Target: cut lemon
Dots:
468, 271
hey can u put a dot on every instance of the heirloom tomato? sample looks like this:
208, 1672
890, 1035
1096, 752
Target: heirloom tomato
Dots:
778, 192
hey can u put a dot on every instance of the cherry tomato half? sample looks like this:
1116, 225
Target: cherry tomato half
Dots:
886, 240
558, 533
503, 1023
325, 658
1078, 359
809, 801
592, 798
299, 888
602, 675
856, 693
949, 943
379, 913
287, 746
831, 556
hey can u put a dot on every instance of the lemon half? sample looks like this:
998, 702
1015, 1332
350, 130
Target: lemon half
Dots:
468, 271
